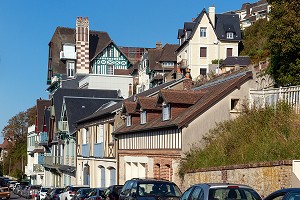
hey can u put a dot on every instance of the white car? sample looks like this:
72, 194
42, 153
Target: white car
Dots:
41, 195
70, 191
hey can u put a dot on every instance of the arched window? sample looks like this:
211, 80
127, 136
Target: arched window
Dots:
112, 176
102, 177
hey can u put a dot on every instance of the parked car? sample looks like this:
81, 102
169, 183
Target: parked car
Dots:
220, 191
4, 193
53, 194
11, 184
136, 189
113, 192
81, 194
41, 194
32, 191
70, 191
96, 194
285, 194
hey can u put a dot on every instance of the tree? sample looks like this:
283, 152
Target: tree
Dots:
284, 41
18, 124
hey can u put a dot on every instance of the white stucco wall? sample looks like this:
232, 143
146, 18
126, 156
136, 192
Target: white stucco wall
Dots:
107, 82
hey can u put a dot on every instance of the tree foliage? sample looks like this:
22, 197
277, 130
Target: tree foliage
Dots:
18, 124
255, 39
284, 41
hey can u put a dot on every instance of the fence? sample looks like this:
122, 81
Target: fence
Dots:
268, 97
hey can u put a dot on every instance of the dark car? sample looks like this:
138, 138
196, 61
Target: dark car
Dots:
81, 194
96, 194
149, 189
53, 194
113, 192
285, 194
220, 191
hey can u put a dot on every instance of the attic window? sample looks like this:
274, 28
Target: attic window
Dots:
128, 120
202, 31
234, 105
166, 112
229, 35
143, 117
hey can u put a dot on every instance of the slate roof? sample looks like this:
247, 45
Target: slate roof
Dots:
240, 60
40, 106
81, 107
101, 113
60, 93
72, 83
205, 97
222, 23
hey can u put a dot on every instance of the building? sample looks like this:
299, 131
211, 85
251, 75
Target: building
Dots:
208, 37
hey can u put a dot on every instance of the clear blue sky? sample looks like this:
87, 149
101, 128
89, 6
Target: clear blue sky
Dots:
27, 27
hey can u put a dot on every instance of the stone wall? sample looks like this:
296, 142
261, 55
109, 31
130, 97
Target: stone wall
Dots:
263, 177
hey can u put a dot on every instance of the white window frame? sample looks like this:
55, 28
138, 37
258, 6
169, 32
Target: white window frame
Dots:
166, 114
84, 135
229, 35
143, 116
100, 134
71, 68
128, 120
203, 32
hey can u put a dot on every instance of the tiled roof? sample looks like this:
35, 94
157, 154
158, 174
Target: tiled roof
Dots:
209, 95
165, 54
154, 55
240, 60
122, 71
130, 107
168, 53
147, 103
181, 96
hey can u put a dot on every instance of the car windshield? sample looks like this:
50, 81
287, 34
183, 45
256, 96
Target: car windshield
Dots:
158, 189
44, 189
233, 194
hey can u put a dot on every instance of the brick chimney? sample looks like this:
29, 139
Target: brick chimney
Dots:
212, 14
187, 82
158, 45
82, 45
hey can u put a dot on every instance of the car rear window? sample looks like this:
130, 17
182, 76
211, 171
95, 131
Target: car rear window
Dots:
164, 189
233, 194
34, 187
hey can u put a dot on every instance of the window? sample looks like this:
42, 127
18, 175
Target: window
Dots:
70, 69
203, 52
229, 52
168, 64
128, 120
234, 104
197, 192
84, 135
143, 117
202, 31
110, 69
203, 71
229, 35
100, 133
166, 112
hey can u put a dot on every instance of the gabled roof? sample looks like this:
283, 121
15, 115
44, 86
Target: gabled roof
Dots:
62, 92
112, 109
180, 96
129, 107
158, 55
147, 103
238, 60
80, 107
168, 53
209, 94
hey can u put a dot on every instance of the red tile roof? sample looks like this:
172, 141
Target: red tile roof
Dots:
147, 103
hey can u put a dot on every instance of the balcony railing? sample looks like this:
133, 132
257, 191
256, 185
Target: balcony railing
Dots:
262, 98
85, 150
70, 161
63, 126
38, 168
54, 160
65, 55
98, 150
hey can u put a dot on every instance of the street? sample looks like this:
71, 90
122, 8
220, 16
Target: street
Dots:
14, 196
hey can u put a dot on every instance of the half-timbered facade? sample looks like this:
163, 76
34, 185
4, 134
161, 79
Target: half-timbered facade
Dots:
157, 131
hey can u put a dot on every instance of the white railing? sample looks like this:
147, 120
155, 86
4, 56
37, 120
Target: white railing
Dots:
266, 97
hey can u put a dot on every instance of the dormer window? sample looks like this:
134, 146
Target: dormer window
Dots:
166, 112
143, 117
128, 120
229, 35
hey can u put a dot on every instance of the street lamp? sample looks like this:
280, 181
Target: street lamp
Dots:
217, 42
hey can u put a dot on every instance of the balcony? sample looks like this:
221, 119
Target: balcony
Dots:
98, 150
53, 160
63, 126
38, 168
85, 150
68, 52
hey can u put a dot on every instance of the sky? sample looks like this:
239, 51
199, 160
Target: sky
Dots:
27, 27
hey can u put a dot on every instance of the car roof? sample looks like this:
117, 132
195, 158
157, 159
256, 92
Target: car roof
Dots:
285, 190
148, 180
215, 185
